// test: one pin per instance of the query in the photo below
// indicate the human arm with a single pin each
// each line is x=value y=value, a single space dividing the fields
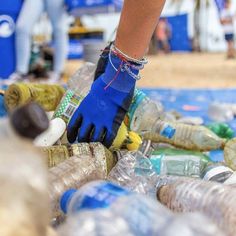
x=101 y=113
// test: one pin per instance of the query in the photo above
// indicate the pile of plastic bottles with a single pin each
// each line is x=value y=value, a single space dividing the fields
x=156 y=179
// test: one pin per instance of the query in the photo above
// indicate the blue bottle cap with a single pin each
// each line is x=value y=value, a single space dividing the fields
x=168 y=132
x=65 y=199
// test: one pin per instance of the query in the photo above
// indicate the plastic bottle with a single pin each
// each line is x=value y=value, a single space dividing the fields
x=215 y=200
x=197 y=138
x=96 y=205
x=231 y=181
x=148 y=147
x=46 y=95
x=78 y=87
x=24 y=199
x=143 y=112
x=230 y=153
x=56 y=154
x=140 y=178
x=56 y=129
x=220 y=112
x=179 y=162
x=217 y=172
x=91 y=162
x=223 y=130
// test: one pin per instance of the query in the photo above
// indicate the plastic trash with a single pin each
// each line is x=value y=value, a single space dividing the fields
x=215 y=200
x=78 y=87
x=143 y=112
x=48 y=96
x=56 y=129
x=179 y=162
x=24 y=200
x=90 y=162
x=230 y=153
x=217 y=172
x=220 y=112
x=191 y=120
x=93 y=207
x=222 y=130
x=191 y=137
x=231 y=181
x=135 y=172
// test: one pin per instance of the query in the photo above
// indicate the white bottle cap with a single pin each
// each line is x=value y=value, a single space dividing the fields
x=218 y=170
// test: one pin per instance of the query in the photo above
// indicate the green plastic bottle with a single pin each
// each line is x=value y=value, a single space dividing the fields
x=222 y=130
x=179 y=162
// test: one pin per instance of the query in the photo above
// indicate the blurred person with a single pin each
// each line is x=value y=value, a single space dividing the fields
x=227 y=21
x=29 y=15
x=117 y=72
x=163 y=35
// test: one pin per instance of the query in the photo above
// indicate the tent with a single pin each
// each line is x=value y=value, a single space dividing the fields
x=89 y=7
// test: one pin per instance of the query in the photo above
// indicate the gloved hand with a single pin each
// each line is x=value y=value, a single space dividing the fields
x=102 y=111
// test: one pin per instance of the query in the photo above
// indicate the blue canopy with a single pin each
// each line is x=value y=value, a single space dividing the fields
x=82 y=7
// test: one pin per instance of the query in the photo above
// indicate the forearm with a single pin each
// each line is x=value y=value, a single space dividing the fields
x=138 y=21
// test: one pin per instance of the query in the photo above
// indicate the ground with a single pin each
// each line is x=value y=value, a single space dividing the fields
x=193 y=70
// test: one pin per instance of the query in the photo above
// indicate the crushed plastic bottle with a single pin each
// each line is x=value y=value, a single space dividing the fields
x=24 y=199
x=215 y=200
x=46 y=95
x=56 y=154
x=230 y=153
x=190 y=137
x=78 y=87
x=143 y=112
x=135 y=172
x=217 y=172
x=93 y=207
x=179 y=162
x=90 y=162
x=220 y=112
x=148 y=147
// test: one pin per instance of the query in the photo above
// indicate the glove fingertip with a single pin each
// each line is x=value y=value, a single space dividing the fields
x=108 y=140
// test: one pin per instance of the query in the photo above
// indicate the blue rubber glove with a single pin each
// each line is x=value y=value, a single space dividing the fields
x=102 y=111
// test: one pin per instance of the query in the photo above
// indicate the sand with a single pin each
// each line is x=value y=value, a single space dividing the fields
x=193 y=70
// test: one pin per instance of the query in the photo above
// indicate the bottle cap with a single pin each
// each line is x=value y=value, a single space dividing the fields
x=217 y=173
x=29 y=120
x=65 y=199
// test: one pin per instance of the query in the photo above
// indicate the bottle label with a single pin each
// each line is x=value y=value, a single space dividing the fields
x=168 y=131
x=101 y=196
x=67 y=106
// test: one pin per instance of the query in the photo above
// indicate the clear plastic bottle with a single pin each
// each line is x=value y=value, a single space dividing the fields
x=71 y=173
x=78 y=87
x=220 y=112
x=24 y=199
x=215 y=200
x=90 y=162
x=217 y=172
x=191 y=137
x=135 y=172
x=179 y=162
x=230 y=153
x=143 y=112
x=102 y=208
